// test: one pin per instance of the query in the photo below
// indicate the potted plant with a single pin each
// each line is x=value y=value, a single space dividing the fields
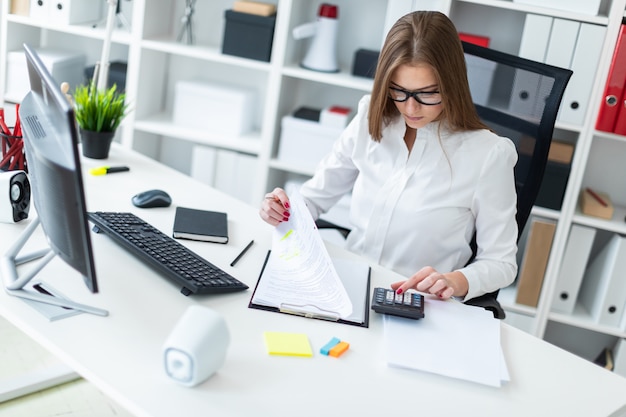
x=98 y=114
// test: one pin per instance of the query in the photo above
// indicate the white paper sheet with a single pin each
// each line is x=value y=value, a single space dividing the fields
x=453 y=339
x=302 y=275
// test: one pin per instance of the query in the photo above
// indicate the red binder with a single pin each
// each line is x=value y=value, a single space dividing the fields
x=620 y=122
x=613 y=91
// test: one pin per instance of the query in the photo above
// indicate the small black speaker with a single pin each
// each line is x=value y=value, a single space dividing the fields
x=15 y=204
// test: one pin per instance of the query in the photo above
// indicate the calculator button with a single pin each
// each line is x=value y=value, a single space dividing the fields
x=399 y=298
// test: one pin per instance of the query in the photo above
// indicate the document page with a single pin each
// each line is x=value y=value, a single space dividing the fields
x=299 y=276
x=454 y=340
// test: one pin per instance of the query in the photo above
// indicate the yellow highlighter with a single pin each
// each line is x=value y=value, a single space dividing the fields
x=107 y=170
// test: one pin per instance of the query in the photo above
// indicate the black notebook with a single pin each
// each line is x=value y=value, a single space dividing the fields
x=205 y=225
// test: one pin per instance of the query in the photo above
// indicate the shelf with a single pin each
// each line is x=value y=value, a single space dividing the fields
x=341 y=79
x=161 y=124
x=545 y=213
x=84 y=30
x=617 y=224
x=529 y=8
x=287 y=167
x=507 y=296
x=581 y=318
x=212 y=54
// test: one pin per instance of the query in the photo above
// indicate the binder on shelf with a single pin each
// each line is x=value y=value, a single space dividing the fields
x=573 y=265
x=620 y=120
x=535 y=261
x=614 y=88
x=355 y=277
x=559 y=53
x=584 y=64
x=603 y=292
x=534 y=43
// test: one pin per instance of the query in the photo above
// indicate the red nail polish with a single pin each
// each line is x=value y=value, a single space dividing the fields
x=287 y=204
x=399 y=291
x=286 y=213
x=285 y=219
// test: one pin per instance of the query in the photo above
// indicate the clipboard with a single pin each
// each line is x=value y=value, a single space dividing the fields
x=363 y=303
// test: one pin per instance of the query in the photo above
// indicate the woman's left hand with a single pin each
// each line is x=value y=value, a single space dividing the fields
x=427 y=280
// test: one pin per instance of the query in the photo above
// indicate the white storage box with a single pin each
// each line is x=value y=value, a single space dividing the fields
x=68 y=12
x=591 y=7
x=305 y=142
x=213 y=107
x=65 y=66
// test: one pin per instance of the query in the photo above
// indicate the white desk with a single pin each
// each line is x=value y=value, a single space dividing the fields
x=121 y=354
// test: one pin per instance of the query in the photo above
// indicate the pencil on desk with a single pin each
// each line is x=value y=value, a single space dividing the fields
x=242 y=253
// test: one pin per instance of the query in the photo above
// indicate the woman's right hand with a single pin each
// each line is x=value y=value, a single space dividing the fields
x=275 y=207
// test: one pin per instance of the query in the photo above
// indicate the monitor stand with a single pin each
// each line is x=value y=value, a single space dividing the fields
x=15 y=284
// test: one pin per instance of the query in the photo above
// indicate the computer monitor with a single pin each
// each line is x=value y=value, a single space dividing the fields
x=51 y=144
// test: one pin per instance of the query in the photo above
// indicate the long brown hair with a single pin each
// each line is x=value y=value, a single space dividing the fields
x=424 y=37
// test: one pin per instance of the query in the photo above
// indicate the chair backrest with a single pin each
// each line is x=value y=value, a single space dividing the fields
x=519 y=99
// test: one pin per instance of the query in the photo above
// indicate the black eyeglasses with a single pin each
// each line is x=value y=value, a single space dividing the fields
x=427 y=98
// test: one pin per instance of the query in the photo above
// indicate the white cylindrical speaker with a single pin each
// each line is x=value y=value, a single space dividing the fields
x=197 y=346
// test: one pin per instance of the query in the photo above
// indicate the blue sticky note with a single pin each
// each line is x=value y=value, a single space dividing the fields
x=328 y=346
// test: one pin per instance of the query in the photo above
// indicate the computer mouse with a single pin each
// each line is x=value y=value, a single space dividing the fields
x=152 y=198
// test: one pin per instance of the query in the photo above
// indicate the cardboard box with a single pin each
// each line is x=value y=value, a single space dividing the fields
x=561 y=152
x=255 y=7
x=20 y=7
x=63 y=65
x=248 y=35
x=535 y=261
x=305 y=142
x=596 y=204
x=213 y=107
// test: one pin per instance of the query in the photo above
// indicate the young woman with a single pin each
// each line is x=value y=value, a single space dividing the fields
x=425 y=173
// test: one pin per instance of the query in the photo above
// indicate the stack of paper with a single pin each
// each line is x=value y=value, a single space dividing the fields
x=453 y=339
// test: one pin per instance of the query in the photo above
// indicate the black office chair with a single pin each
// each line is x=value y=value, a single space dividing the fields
x=518 y=99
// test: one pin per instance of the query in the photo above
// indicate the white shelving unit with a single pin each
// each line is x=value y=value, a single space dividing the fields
x=156 y=61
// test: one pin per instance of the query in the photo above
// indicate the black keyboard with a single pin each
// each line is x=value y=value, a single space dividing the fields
x=165 y=254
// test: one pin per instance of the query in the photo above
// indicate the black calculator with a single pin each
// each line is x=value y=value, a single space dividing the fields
x=409 y=304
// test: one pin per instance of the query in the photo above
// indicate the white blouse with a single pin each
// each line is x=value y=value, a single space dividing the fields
x=411 y=210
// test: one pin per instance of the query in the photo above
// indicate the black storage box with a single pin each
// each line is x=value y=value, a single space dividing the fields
x=117 y=75
x=248 y=35
x=553 y=185
x=365 y=62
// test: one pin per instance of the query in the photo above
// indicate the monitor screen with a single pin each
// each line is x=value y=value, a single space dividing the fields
x=51 y=146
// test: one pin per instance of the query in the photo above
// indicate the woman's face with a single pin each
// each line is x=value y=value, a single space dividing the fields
x=418 y=79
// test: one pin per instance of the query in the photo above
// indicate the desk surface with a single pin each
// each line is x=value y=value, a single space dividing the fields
x=121 y=354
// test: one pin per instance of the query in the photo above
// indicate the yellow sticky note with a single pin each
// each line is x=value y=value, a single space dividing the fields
x=287 y=344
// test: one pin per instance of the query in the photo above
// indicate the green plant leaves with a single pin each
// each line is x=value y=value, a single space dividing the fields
x=99 y=111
